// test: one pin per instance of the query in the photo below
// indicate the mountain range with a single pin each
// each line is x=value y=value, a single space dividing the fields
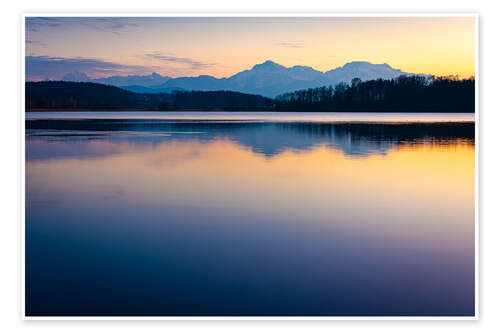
x=119 y=81
x=267 y=79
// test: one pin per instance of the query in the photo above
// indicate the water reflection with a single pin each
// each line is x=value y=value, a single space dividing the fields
x=353 y=139
x=238 y=218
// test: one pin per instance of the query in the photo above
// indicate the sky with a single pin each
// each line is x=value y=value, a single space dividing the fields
x=223 y=46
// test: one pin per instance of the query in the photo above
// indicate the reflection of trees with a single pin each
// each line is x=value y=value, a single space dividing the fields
x=367 y=139
x=392 y=132
x=271 y=138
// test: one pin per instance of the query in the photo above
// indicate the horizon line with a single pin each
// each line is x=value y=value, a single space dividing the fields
x=225 y=77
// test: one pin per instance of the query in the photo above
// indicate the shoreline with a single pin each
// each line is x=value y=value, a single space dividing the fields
x=325 y=117
x=234 y=111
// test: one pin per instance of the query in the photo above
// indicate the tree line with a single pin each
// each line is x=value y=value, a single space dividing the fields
x=62 y=95
x=402 y=94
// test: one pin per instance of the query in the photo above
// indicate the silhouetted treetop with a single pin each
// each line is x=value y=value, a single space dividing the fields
x=94 y=96
x=403 y=94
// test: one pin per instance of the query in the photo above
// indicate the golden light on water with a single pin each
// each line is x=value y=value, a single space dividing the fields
x=414 y=185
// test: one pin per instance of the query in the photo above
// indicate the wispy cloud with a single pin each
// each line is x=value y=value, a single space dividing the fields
x=175 y=60
x=294 y=45
x=113 y=25
x=36 y=42
x=116 y=25
x=41 y=67
x=37 y=23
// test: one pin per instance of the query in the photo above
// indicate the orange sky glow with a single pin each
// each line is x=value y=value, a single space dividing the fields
x=223 y=46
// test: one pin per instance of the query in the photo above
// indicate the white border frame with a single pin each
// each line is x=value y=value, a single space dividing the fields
x=246 y=14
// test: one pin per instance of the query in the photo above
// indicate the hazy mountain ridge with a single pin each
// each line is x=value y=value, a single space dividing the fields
x=365 y=71
x=267 y=79
x=148 y=90
x=119 y=81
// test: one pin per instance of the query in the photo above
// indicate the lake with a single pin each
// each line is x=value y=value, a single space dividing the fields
x=249 y=214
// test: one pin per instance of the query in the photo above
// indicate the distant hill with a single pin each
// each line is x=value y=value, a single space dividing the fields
x=365 y=71
x=267 y=79
x=402 y=94
x=119 y=81
x=75 y=95
x=148 y=90
x=271 y=79
x=62 y=95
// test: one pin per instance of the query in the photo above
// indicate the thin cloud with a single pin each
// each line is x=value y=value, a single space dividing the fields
x=37 y=23
x=113 y=25
x=172 y=59
x=37 y=42
x=110 y=24
x=294 y=45
x=41 y=67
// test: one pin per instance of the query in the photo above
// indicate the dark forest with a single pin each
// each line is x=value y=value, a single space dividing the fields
x=403 y=94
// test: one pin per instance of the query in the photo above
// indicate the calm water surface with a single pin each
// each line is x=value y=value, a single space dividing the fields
x=182 y=214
